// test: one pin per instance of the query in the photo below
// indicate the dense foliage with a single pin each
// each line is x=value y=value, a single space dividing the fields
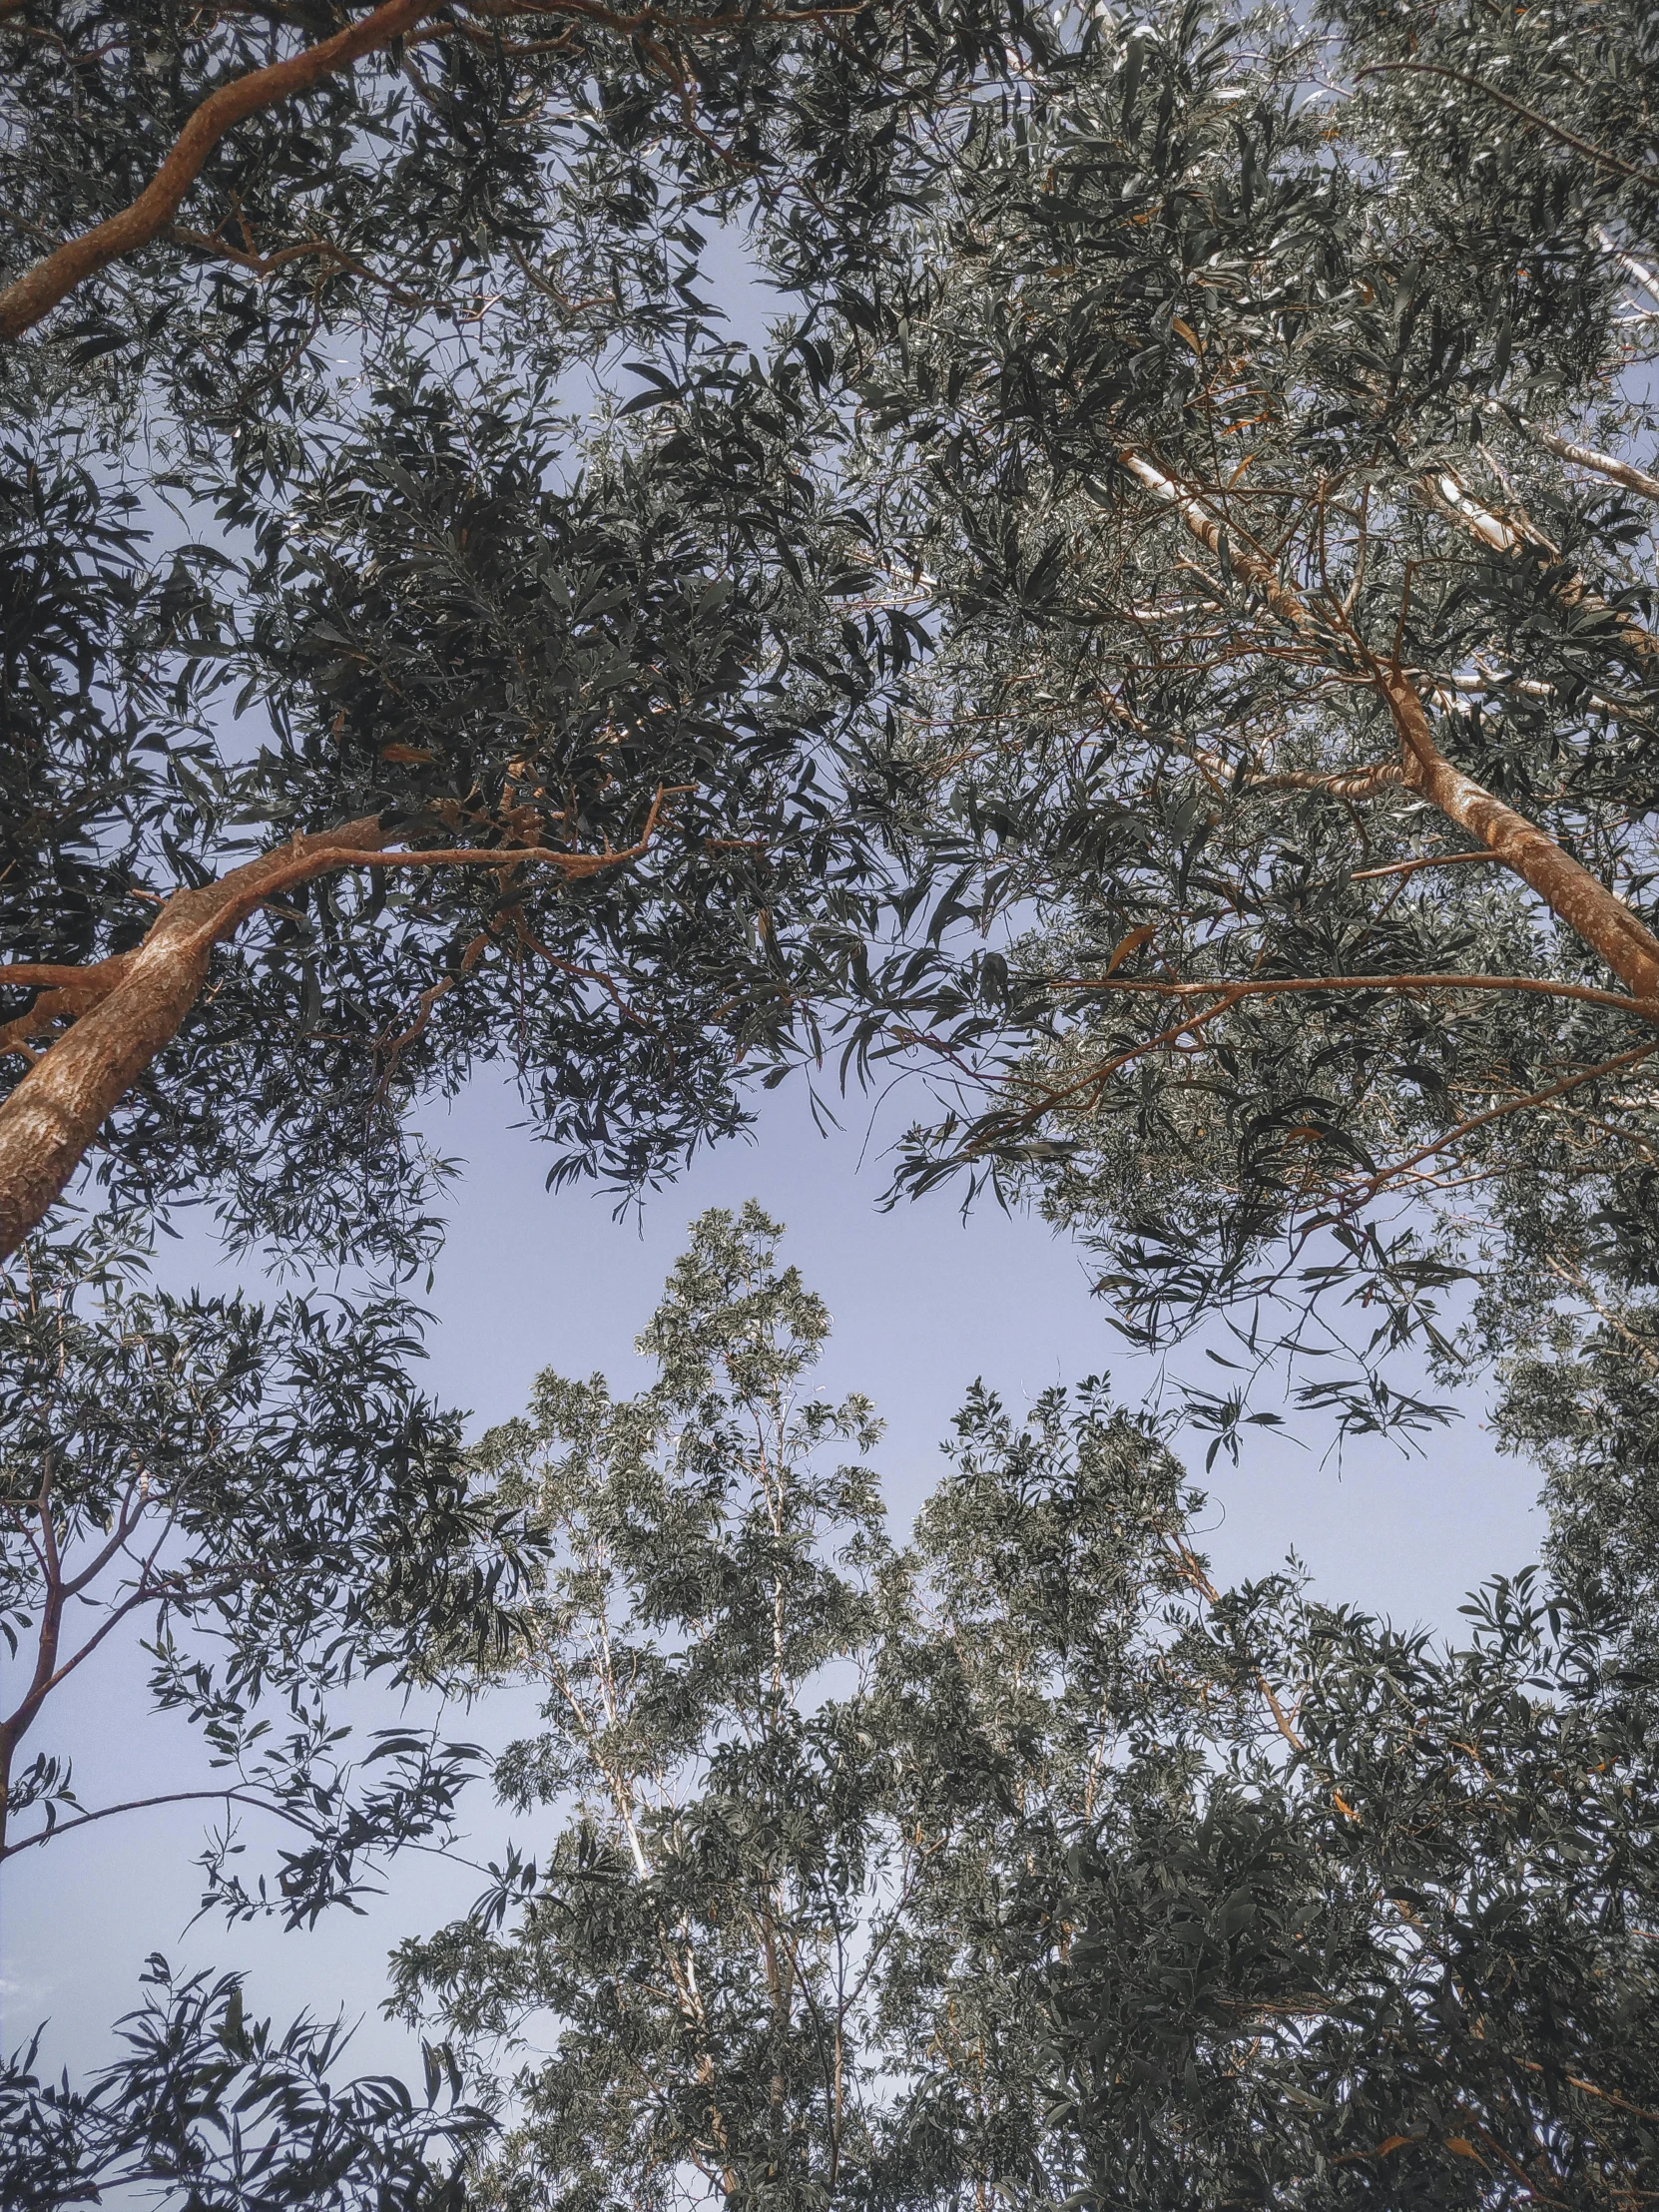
x=1022 y=1861
x=1157 y=637
x=1261 y=433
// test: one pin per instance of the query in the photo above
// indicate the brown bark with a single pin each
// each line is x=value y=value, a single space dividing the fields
x=1581 y=899
x=40 y=289
x=1597 y=914
x=1506 y=534
x=141 y=999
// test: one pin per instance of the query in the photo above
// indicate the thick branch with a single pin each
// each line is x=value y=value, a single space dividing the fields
x=1624 y=473
x=1579 y=899
x=59 y=1107
x=39 y=289
x=1568 y=889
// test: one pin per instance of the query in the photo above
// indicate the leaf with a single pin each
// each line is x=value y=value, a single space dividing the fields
x=1127 y=946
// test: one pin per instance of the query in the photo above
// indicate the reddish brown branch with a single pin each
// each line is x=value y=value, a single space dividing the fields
x=1096 y=1077
x=1585 y=903
x=40 y=289
x=56 y=1110
x=1372 y=1184
x=1410 y=868
x=1567 y=887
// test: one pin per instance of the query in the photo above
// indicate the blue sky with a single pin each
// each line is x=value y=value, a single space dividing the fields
x=922 y=1304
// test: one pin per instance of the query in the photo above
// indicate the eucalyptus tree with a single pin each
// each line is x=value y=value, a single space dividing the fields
x=551 y=707
x=1263 y=432
x=545 y=704
x=1025 y=1863
x=704 y=1913
x=539 y=784
x=252 y=1510
x=1265 y=1902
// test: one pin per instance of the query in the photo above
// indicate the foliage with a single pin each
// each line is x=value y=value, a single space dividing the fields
x=1025 y=1860
x=207 y=2107
x=467 y=611
x=1260 y=429
x=1160 y=636
x=707 y=1921
x=264 y=1491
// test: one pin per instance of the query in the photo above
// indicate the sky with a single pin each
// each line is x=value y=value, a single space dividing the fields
x=923 y=1303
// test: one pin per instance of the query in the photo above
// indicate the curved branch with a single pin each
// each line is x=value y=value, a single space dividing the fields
x=37 y=291
x=1556 y=131
x=59 y=1107
x=228 y=1795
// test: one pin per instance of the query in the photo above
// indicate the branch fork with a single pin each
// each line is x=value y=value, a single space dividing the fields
x=127 y=1008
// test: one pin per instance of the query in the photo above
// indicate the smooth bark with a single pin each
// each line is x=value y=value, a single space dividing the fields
x=136 y=1003
x=1600 y=918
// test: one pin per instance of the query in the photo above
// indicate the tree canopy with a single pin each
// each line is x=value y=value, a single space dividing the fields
x=1023 y=1860
x=1143 y=628
x=1262 y=429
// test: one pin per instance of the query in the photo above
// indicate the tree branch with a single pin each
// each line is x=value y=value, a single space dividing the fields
x=51 y=279
x=1583 y=902
x=56 y=1110
x=1264 y=986
x=1580 y=899
x=1372 y=1184
x=1556 y=131
x=229 y=1794
x=37 y=291
x=1624 y=473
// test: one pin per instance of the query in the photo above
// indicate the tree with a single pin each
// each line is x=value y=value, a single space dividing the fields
x=439 y=637
x=1261 y=433
x=1027 y=1862
x=261 y=1492
x=547 y=709
x=565 y=706
x=707 y=1923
